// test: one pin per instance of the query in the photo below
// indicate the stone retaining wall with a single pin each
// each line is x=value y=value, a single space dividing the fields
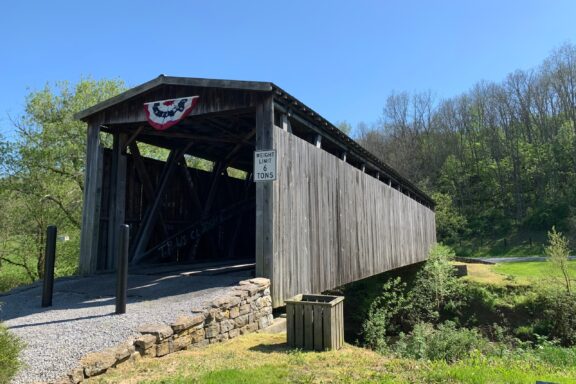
x=247 y=309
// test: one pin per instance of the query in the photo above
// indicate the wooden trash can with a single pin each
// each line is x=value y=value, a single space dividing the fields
x=315 y=322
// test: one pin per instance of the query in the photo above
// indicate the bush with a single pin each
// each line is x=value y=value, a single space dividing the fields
x=384 y=315
x=10 y=347
x=556 y=316
x=436 y=286
x=446 y=342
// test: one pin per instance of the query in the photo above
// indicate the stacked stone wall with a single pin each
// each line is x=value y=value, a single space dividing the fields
x=247 y=309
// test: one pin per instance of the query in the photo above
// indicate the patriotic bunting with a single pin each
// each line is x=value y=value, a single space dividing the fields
x=164 y=114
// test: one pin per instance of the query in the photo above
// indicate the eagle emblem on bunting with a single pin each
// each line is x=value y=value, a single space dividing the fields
x=164 y=114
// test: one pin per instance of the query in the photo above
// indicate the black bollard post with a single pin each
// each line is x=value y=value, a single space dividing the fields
x=49 y=260
x=122 y=269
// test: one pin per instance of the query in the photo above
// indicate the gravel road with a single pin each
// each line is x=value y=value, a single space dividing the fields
x=82 y=318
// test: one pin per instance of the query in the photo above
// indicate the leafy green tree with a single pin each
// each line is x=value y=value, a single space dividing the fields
x=44 y=180
x=450 y=224
x=435 y=287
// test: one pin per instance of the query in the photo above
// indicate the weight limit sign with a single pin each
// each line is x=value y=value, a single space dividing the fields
x=265 y=165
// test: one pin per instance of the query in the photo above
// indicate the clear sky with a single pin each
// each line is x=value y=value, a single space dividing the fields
x=342 y=58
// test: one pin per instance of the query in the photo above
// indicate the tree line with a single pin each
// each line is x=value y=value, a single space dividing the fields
x=499 y=159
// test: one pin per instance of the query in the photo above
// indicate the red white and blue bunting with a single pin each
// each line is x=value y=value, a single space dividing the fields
x=164 y=114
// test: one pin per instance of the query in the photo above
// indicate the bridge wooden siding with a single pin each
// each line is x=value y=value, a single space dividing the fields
x=334 y=224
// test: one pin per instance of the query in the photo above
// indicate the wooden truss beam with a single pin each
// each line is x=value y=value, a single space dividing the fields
x=146 y=182
x=143 y=236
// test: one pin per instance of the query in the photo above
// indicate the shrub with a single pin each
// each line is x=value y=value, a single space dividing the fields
x=10 y=347
x=436 y=286
x=557 y=316
x=383 y=315
x=446 y=342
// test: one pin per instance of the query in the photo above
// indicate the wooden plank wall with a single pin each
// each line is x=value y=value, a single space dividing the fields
x=335 y=224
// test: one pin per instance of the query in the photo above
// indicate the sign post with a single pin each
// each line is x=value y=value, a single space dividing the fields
x=265 y=165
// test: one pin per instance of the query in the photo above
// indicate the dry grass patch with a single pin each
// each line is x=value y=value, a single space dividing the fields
x=265 y=358
x=486 y=274
x=262 y=358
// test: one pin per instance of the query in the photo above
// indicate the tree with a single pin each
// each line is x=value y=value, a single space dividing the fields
x=435 y=286
x=558 y=252
x=344 y=126
x=43 y=181
x=450 y=224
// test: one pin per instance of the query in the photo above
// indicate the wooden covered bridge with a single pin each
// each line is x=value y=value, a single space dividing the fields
x=325 y=214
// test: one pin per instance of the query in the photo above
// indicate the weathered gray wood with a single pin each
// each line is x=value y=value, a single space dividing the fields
x=290 y=325
x=299 y=326
x=318 y=341
x=149 y=221
x=117 y=202
x=90 y=211
x=265 y=134
x=335 y=224
x=171 y=80
x=145 y=178
x=211 y=100
x=328 y=323
x=318 y=141
x=286 y=123
x=308 y=326
x=233 y=239
x=132 y=138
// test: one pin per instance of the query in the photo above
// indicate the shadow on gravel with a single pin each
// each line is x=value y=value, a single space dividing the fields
x=60 y=321
x=100 y=290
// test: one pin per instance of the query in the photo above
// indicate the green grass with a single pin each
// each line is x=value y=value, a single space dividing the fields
x=265 y=358
x=12 y=276
x=481 y=370
x=534 y=271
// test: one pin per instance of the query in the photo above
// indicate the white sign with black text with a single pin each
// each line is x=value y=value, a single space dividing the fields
x=265 y=165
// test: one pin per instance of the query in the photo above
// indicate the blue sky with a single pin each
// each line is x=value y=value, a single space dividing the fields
x=342 y=58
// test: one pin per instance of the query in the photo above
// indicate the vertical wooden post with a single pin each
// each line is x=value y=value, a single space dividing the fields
x=286 y=123
x=264 y=192
x=90 y=211
x=122 y=268
x=49 y=262
x=117 y=203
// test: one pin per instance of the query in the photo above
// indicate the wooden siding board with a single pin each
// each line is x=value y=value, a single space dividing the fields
x=336 y=224
x=265 y=192
x=90 y=212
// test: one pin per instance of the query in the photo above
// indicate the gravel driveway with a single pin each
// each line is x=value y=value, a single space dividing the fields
x=82 y=318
